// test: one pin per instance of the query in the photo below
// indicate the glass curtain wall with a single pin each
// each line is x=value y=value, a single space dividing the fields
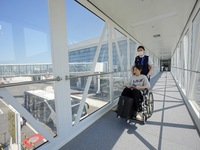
x=186 y=68
x=196 y=60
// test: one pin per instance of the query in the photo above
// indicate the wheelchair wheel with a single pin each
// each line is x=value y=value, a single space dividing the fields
x=151 y=104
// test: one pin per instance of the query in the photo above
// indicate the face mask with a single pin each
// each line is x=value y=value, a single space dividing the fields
x=141 y=53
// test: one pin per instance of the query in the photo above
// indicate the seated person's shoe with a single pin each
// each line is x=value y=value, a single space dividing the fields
x=139 y=117
x=134 y=114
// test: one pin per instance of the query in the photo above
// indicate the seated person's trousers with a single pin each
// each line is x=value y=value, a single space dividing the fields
x=136 y=95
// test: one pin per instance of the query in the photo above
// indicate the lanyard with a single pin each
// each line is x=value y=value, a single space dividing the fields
x=142 y=61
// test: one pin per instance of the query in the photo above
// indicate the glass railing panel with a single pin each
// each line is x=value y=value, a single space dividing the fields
x=192 y=88
x=38 y=99
x=119 y=80
x=196 y=91
x=98 y=94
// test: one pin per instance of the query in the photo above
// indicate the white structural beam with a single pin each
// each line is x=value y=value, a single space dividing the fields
x=57 y=17
x=110 y=58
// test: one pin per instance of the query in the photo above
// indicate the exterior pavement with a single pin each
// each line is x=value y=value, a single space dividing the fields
x=169 y=128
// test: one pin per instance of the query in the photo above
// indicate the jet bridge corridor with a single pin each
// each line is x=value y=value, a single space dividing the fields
x=64 y=64
x=170 y=127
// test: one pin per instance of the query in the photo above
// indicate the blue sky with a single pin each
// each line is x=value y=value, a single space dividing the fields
x=24 y=29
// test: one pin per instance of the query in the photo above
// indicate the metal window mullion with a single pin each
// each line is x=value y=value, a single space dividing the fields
x=179 y=65
x=90 y=78
x=189 y=60
x=177 y=71
x=128 y=56
x=182 y=58
x=185 y=61
x=175 y=62
x=110 y=56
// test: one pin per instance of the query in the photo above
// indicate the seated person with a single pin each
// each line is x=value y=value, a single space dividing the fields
x=132 y=89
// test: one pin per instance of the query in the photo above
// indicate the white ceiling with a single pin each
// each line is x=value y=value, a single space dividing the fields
x=144 y=18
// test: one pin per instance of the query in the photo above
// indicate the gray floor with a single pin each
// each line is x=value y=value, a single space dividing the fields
x=170 y=127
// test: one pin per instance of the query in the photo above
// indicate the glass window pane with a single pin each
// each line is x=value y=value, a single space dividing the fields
x=87 y=40
x=24 y=39
x=25 y=56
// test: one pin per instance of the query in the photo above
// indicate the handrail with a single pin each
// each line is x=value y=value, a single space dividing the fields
x=29 y=82
x=55 y=79
x=87 y=75
x=25 y=75
x=95 y=74
x=186 y=69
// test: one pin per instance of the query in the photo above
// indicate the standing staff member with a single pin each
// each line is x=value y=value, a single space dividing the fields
x=145 y=61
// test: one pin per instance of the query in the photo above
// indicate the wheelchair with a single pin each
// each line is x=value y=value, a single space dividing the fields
x=146 y=105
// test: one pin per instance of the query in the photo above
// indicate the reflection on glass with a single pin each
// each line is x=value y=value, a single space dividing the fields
x=24 y=41
x=24 y=32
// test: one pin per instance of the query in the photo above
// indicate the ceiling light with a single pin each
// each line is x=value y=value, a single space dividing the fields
x=153 y=19
x=156 y=35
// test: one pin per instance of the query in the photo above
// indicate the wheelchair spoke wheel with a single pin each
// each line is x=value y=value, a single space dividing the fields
x=151 y=103
x=151 y=99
